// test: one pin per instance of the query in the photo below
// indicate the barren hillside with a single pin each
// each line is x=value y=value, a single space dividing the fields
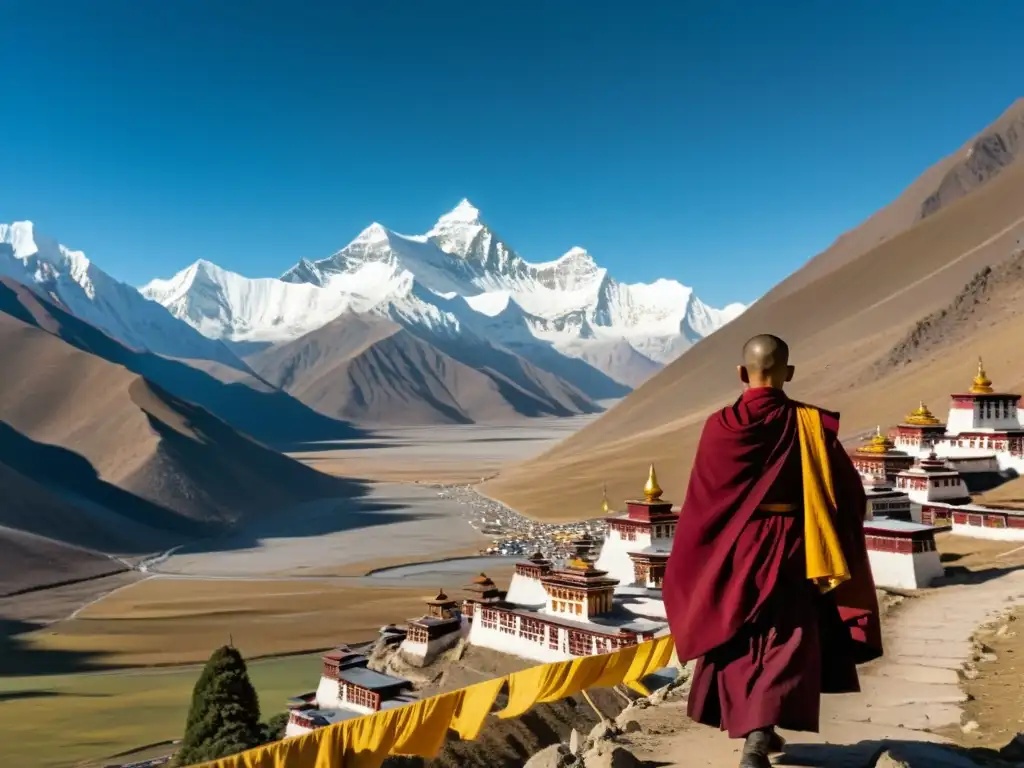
x=973 y=165
x=247 y=403
x=371 y=370
x=97 y=457
x=842 y=325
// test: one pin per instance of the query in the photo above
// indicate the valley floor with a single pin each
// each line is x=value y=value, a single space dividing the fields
x=92 y=669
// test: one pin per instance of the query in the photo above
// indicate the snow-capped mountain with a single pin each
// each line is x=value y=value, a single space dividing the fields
x=457 y=280
x=73 y=281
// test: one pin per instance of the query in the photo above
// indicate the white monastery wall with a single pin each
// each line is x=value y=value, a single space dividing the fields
x=904 y=571
x=424 y=653
x=496 y=640
x=615 y=559
x=985 y=532
x=523 y=590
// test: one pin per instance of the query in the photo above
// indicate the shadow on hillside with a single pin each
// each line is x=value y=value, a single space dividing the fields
x=63 y=471
x=913 y=754
x=315 y=518
x=267 y=414
x=18 y=657
x=221 y=466
x=313 y=446
x=979 y=482
x=958 y=574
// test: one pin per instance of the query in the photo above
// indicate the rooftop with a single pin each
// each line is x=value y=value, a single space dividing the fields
x=324 y=717
x=607 y=623
x=367 y=678
x=896 y=526
x=433 y=621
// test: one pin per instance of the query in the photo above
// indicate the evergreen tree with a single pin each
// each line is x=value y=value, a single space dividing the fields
x=225 y=714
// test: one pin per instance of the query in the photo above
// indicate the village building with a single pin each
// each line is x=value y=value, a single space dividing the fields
x=902 y=554
x=979 y=521
x=526 y=587
x=434 y=632
x=878 y=457
x=983 y=432
x=885 y=501
x=919 y=431
x=580 y=617
x=649 y=525
x=482 y=591
x=348 y=688
x=932 y=479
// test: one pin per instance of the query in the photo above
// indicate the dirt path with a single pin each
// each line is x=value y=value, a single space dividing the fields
x=906 y=696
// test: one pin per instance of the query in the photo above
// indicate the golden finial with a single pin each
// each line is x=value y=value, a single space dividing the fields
x=879 y=443
x=921 y=415
x=652 y=491
x=604 y=500
x=982 y=384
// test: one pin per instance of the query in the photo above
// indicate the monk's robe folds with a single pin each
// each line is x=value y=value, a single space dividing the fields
x=743 y=585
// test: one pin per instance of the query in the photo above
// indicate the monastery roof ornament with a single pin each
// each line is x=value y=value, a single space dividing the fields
x=921 y=415
x=982 y=385
x=879 y=443
x=604 y=500
x=652 y=491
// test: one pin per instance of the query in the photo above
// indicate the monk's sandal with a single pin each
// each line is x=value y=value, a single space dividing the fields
x=756 y=749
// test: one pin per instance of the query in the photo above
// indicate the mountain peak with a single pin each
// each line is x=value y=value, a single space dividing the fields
x=374 y=233
x=20 y=235
x=463 y=213
x=576 y=253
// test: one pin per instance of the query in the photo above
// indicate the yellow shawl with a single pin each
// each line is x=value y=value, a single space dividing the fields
x=826 y=564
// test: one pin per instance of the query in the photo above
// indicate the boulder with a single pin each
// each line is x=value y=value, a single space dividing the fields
x=602 y=731
x=615 y=757
x=886 y=760
x=555 y=756
x=626 y=722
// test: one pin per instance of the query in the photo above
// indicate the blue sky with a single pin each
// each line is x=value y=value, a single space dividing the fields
x=716 y=142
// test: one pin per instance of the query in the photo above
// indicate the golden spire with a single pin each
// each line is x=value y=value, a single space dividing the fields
x=982 y=384
x=604 y=500
x=921 y=415
x=652 y=491
x=879 y=443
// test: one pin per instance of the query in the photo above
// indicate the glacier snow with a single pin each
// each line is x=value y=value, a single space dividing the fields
x=459 y=277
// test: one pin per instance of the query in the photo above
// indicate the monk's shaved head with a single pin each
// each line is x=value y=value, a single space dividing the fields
x=765 y=353
x=766 y=362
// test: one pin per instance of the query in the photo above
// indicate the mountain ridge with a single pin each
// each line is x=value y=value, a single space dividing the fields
x=413 y=278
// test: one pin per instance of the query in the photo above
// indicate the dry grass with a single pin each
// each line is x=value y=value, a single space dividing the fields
x=164 y=621
x=996 y=700
x=977 y=554
x=61 y=720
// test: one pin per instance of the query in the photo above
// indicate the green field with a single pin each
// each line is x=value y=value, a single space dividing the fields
x=64 y=720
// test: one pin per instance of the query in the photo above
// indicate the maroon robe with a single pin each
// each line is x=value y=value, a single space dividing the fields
x=736 y=592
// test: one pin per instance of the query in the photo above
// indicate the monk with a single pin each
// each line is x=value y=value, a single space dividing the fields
x=768 y=585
